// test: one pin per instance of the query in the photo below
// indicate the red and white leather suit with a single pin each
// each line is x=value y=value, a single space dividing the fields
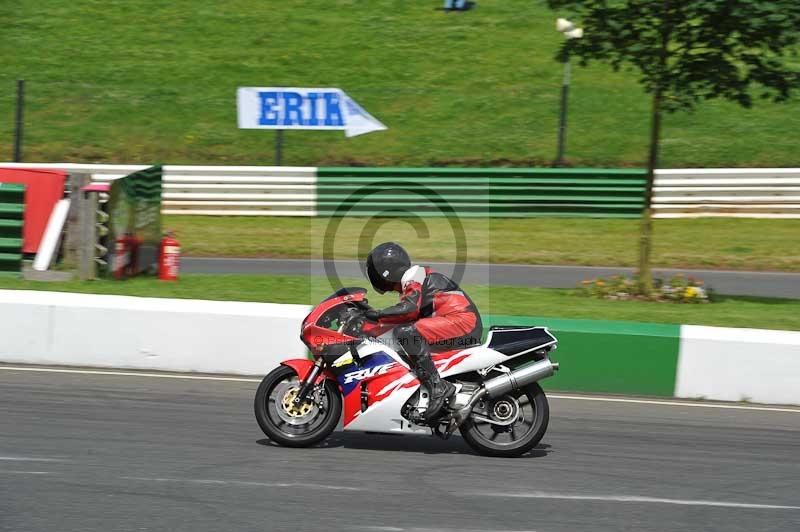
x=441 y=312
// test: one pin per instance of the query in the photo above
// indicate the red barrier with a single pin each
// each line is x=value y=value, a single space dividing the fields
x=43 y=188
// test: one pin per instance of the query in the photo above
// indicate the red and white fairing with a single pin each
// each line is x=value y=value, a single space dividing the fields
x=375 y=388
x=390 y=389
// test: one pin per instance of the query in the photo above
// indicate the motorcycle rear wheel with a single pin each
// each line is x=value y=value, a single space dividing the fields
x=295 y=425
x=522 y=435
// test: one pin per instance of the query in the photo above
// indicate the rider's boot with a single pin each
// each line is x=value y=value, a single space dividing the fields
x=440 y=389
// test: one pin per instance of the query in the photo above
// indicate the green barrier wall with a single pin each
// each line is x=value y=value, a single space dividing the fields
x=609 y=356
x=12 y=210
x=481 y=192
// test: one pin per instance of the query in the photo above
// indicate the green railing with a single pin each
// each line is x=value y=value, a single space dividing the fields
x=481 y=192
x=12 y=209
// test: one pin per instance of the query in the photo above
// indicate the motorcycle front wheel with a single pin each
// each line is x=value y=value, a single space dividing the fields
x=510 y=425
x=296 y=425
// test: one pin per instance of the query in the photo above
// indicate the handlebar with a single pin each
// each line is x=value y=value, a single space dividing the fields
x=353 y=313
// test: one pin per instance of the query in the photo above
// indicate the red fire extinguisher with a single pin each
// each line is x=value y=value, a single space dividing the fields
x=169 y=257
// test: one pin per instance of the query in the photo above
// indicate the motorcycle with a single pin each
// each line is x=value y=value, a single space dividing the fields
x=358 y=374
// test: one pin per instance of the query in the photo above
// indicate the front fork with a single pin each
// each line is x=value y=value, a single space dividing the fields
x=308 y=383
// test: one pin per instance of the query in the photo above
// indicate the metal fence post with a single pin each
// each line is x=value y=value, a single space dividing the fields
x=278 y=147
x=18 y=121
x=562 y=117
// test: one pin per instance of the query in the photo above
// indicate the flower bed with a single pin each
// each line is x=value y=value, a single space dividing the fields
x=677 y=289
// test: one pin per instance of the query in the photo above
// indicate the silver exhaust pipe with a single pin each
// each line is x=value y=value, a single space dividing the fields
x=501 y=385
x=519 y=378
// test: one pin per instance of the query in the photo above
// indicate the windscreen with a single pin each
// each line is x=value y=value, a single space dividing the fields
x=346 y=291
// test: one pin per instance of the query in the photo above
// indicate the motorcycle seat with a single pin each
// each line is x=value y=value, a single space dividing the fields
x=516 y=340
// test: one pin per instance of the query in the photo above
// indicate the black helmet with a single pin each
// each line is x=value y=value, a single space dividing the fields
x=386 y=265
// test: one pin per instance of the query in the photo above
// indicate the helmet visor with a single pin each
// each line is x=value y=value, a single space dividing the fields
x=378 y=283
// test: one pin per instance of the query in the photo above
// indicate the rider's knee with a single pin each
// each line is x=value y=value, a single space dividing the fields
x=409 y=338
x=406 y=331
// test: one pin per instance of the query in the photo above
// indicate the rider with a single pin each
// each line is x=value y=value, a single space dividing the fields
x=433 y=313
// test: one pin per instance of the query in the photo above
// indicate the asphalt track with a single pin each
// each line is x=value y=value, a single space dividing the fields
x=764 y=284
x=129 y=453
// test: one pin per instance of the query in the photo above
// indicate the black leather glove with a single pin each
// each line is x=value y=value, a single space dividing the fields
x=372 y=314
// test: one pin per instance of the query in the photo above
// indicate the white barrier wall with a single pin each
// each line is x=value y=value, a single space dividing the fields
x=739 y=365
x=148 y=333
x=252 y=338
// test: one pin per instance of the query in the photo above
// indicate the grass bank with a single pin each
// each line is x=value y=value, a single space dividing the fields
x=726 y=312
x=741 y=244
x=134 y=82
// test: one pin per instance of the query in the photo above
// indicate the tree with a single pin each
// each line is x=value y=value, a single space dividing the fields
x=688 y=51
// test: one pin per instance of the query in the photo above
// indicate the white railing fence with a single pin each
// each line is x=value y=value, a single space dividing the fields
x=218 y=190
x=291 y=191
x=746 y=192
